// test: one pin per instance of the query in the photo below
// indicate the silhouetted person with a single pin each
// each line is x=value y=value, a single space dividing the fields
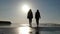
x=37 y=16
x=30 y=16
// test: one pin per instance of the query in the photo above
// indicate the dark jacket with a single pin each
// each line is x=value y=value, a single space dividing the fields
x=37 y=15
x=30 y=14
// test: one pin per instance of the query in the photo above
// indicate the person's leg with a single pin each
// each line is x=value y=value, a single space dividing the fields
x=30 y=21
x=37 y=22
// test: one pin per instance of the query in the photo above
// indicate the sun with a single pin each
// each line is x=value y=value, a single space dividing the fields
x=25 y=8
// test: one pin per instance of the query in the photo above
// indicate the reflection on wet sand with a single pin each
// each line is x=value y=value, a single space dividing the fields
x=24 y=30
x=37 y=30
x=28 y=30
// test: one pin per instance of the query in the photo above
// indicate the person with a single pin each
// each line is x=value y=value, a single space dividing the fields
x=37 y=16
x=30 y=16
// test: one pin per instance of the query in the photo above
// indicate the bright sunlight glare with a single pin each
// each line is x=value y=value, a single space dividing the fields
x=25 y=8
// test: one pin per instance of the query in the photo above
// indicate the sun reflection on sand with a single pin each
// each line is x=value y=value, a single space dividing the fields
x=24 y=30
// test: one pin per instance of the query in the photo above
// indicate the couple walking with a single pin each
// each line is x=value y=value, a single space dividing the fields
x=30 y=16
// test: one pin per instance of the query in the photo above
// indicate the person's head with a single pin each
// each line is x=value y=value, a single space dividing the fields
x=37 y=10
x=30 y=10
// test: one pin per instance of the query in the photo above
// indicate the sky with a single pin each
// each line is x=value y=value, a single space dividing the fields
x=11 y=10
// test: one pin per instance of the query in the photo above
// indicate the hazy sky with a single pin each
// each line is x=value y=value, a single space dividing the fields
x=11 y=10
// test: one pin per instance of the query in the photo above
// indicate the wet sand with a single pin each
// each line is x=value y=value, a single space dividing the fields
x=25 y=29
